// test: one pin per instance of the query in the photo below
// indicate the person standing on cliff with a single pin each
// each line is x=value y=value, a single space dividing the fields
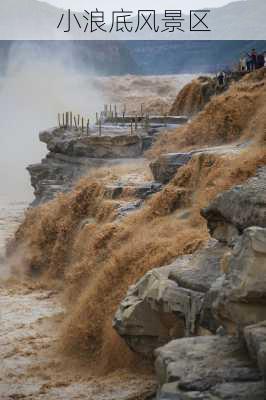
x=221 y=79
x=252 y=60
x=243 y=63
x=260 y=60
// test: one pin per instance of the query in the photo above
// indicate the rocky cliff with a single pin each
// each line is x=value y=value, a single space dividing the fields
x=217 y=291
x=72 y=154
x=170 y=270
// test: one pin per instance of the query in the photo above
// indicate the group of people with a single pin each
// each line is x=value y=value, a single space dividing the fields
x=252 y=61
x=248 y=62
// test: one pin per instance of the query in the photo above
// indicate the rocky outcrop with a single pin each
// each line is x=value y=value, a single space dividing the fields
x=218 y=296
x=211 y=289
x=238 y=208
x=207 y=368
x=141 y=191
x=255 y=336
x=167 y=165
x=167 y=302
x=193 y=97
x=58 y=173
x=241 y=298
x=196 y=94
x=73 y=153
x=74 y=144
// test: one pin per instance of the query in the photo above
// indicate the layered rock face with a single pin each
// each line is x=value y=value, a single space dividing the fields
x=166 y=166
x=220 y=292
x=237 y=209
x=72 y=154
x=207 y=368
x=168 y=302
x=255 y=336
x=92 y=146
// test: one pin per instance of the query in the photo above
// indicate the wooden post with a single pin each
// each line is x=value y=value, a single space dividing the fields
x=124 y=111
x=67 y=120
x=141 y=110
x=82 y=124
x=88 y=127
x=59 y=122
x=147 y=122
x=131 y=128
x=100 y=128
x=136 y=122
x=71 y=120
x=115 y=112
x=75 y=122
x=78 y=120
x=63 y=120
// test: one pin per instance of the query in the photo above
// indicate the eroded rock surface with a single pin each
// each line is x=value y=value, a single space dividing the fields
x=58 y=173
x=207 y=367
x=238 y=208
x=72 y=154
x=167 y=165
x=255 y=336
x=92 y=146
x=241 y=298
x=167 y=302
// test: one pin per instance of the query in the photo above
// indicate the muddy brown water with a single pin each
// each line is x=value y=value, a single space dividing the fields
x=30 y=318
x=30 y=365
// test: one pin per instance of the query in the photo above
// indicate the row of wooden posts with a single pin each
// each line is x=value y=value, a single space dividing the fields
x=68 y=120
x=110 y=112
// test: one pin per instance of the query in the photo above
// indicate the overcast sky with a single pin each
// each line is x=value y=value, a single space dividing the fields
x=159 y=5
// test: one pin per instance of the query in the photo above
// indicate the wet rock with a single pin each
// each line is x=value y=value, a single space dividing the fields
x=237 y=209
x=255 y=336
x=241 y=297
x=246 y=266
x=58 y=173
x=205 y=367
x=226 y=391
x=198 y=271
x=166 y=166
x=167 y=302
x=128 y=207
x=75 y=144
x=239 y=391
x=141 y=191
x=73 y=153
x=114 y=191
x=146 y=189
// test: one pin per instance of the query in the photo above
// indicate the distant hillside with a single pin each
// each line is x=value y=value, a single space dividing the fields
x=170 y=57
x=101 y=57
x=133 y=57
